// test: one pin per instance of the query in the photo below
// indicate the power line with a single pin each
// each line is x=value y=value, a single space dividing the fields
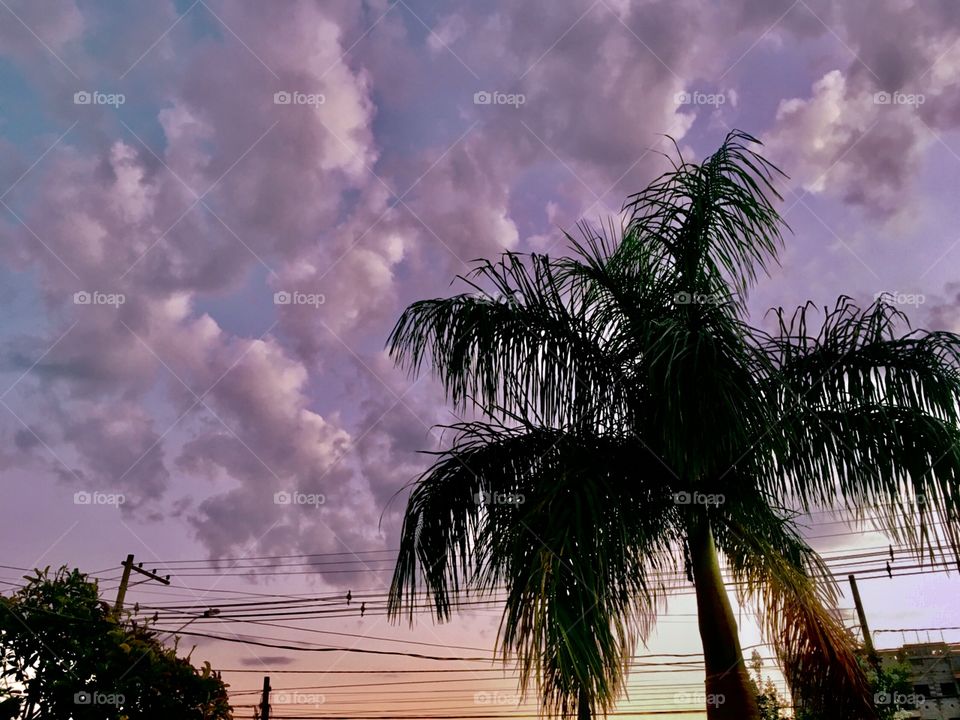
x=879 y=552
x=249 y=640
x=391 y=552
x=926 y=629
x=272 y=570
x=376 y=602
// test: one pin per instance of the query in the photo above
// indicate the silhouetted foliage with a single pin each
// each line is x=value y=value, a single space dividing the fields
x=64 y=655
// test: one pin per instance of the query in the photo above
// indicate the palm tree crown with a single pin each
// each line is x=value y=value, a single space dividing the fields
x=634 y=425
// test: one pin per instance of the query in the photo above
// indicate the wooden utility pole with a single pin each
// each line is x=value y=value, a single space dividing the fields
x=125 y=581
x=265 y=700
x=864 y=628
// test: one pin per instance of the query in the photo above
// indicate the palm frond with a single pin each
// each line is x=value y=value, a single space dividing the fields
x=870 y=420
x=523 y=340
x=713 y=222
x=670 y=341
x=863 y=357
x=705 y=403
x=576 y=544
x=797 y=602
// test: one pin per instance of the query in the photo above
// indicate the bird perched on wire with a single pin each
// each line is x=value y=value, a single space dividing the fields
x=349 y=597
x=363 y=608
x=889 y=571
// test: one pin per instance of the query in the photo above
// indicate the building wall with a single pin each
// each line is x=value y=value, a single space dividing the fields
x=935 y=676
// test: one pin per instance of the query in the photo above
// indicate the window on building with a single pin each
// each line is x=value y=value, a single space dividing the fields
x=948 y=689
x=921 y=690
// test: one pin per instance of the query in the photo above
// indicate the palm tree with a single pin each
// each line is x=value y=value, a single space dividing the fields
x=633 y=425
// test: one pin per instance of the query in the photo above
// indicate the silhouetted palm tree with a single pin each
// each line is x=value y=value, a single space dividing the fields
x=634 y=425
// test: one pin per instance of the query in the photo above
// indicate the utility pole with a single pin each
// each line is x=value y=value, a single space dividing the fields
x=864 y=628
x=122 y=590
x=265 y=700
x=125 y=581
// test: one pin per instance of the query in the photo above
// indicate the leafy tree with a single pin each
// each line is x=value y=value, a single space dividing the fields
x=769 y=701
x=64 y=655
x=631 y=417
x=889 y=683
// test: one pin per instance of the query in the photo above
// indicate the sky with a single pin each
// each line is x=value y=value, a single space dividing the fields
x=213 y=212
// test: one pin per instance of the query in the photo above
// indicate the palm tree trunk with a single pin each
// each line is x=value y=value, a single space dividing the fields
x=730 y=695
x=583 y=705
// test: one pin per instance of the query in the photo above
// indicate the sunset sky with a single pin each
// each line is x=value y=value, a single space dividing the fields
x=213 y=212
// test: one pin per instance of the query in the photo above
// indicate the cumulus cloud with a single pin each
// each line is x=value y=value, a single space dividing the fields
x=57 y=24
x=371 y=190
x=863 y=129
x=942 y=312
x=154 y=223
x=851 y=141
